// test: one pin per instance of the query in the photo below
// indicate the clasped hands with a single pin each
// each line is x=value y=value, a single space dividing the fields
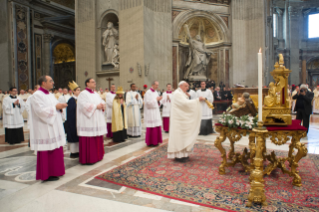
x=201 y=99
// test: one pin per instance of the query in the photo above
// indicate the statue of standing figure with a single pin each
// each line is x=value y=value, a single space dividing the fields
x=110 y=40
x=198 y=57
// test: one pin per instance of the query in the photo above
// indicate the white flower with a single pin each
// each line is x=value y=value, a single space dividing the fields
x=237 y=122
x=230 y=121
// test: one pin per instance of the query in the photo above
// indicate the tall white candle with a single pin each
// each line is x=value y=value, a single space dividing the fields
x=260 y=85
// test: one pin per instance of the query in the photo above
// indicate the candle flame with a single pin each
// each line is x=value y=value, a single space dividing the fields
x=260 y=50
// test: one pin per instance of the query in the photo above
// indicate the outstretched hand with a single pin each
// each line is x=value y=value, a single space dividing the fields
x=61 y=106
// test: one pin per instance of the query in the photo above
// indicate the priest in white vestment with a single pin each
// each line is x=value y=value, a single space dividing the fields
x=13 y=108
x=24 y=96
x=134 y=103
x=166 y=102
x=109 y=104
x=152 y=116
x=1 y=101
x=316 y=100
x=28 y=104
x=47 y=135
x=185 y=120
x=91 y=125
x=207 y=113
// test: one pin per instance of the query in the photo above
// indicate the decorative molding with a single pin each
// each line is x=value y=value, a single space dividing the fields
x=278 y=11
x=127 y=4
x=47 y=38
x=22 y=48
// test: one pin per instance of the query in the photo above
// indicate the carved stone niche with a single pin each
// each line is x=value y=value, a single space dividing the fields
x=110 y=53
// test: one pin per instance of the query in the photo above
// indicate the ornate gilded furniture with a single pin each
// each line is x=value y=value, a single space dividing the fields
x=257 y=154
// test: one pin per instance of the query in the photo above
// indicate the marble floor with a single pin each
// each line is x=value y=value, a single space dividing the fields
x=78 y=190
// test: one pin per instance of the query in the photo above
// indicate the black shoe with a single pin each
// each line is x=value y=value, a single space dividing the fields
x=74 y=155
x=52 y=178
x=181 y=160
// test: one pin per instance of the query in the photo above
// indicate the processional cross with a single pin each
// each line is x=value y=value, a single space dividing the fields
x=109 y=79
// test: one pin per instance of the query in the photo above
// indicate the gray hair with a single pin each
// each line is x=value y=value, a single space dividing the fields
x=304 y=86
x=181 y=83
x=153 y=83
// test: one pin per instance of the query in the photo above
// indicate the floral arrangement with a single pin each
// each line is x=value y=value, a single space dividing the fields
x=244 y=122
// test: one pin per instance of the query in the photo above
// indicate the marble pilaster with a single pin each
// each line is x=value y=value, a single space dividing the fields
x=47 y=54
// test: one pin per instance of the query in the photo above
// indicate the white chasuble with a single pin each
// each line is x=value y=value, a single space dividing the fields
x=152 y=116
x=109 y=104
x=12 y=114
x=185 y=123
x=45 y=122
x=207 y=113
x=166 y=102
x=133 y=109
x=64 y=99
x=90 y=121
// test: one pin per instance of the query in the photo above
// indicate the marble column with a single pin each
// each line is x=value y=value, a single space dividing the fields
x=294 y=27
x=304 y=71
x=280 y=33
x=47 y=54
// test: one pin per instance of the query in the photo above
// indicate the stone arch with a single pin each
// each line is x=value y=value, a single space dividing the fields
x=106 y=14
x=218 y=22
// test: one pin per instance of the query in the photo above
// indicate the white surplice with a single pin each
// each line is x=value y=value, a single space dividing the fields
x=152 y=116
x=133 y=111
x=316 y=101
x=24 y=97
x=64 y=99
x=166 y=104
x=45 y=122
x=12 y=115
x=109 y=105
x=185 y=123
x=192 y=94
x=90 y=121
x=207 y=113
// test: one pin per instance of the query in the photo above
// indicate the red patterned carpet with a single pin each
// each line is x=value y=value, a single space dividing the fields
x=198 y=181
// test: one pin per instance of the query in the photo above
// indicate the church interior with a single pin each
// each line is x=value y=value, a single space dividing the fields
x=254 y=57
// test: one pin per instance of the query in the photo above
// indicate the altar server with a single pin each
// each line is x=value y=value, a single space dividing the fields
x=64 y=98
x=90 y=124
x=134 y=104
x=119 y=118
x=152 y=116
x=13 y=108
x=109 y=104
x=72 y=135
x=206 y=127
x=47 y=135
x=186 y=113
x=293 y=105
x=24 y=96
x=192 y=94
x=166 y=102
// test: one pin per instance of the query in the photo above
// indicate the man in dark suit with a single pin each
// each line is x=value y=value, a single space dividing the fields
x=303 y=105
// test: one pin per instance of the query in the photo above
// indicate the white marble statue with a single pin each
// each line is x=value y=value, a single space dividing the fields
x=110 y=40
x=198 y=57
x=116 y=56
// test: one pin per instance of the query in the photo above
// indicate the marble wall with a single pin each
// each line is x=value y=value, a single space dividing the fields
x=248 y=35
x=5 y=56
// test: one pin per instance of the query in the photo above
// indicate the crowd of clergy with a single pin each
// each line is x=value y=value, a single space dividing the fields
x=82 y=118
